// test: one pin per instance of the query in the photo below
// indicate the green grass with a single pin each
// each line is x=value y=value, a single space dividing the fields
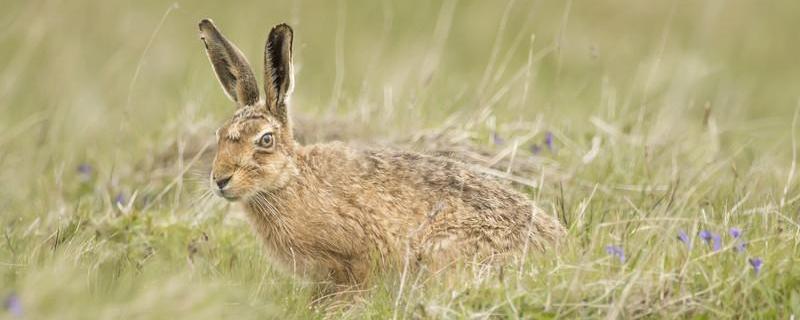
x=692 y=107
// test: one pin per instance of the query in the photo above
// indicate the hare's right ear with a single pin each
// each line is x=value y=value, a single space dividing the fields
x=232 y=69
x=278 y=73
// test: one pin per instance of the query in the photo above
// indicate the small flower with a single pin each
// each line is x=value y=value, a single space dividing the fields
x=84 y=168
x=535 y=149
x=548 y=140
x=616 y=251
x=84 y=171
x=735 y=232
x=497 y=139
x=717 y=242
x=119 y=199
x=756 y=263
x=683 y=237
x=711 y=238
x=14 y=305
x=705 y=235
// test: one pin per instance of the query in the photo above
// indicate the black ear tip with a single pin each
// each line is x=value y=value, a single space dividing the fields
x=282 y=29
x=206 y=23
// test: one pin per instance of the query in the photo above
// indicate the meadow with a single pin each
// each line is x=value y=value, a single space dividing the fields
x=663 y=134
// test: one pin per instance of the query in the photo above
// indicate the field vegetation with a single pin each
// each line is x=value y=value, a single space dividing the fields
x=663 y=134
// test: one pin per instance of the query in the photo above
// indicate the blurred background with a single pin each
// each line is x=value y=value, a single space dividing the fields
x=109 y=108
x=109 y=80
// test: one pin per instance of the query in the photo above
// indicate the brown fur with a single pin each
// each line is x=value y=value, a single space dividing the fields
x=330 y=212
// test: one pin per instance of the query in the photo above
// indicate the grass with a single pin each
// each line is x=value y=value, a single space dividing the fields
x=664 y=116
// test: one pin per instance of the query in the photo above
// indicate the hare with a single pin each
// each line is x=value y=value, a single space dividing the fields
x=332 y=213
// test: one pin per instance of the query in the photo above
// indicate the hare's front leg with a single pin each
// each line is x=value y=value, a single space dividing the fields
x=344 y=281
x=351 y=275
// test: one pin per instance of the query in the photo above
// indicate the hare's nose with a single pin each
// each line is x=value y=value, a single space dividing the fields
x=222 y=182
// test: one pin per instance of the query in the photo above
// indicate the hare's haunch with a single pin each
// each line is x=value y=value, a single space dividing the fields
x=331 y=212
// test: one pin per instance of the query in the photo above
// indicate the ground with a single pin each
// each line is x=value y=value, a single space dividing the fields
x=664 y=135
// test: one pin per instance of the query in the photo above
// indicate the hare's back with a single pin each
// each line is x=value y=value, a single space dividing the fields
x=440 y=179
x=411 y=179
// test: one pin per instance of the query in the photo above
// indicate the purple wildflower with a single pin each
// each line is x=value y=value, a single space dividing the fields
x=711 y=238
x=535 y=149
x=84 y=171
x=735 y=232
x=14 y=305
x=756 y=263
x=84 y=168
x=119 y=199
x=548 y=140
x=705 y=235
x=497 y=139
x=616 y=251
x=717 y=242
x=683 y=237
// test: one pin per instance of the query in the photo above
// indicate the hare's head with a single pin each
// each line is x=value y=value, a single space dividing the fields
x=255 y=147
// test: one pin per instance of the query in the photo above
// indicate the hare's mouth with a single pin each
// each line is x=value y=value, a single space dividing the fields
x=227 y=194
x=231 y=198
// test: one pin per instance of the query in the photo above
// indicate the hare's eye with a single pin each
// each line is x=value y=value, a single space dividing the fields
x=266 y=140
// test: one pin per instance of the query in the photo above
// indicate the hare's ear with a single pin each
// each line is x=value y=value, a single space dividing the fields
x=278 y=73
x=230 y=65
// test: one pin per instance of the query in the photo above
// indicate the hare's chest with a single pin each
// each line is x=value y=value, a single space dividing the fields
x=287 y=248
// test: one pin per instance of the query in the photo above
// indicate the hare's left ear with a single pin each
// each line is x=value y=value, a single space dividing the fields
x=278 y=73
x=230 y=65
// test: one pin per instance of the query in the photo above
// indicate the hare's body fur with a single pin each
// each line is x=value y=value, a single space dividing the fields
x=332 y=212
x=344 y=208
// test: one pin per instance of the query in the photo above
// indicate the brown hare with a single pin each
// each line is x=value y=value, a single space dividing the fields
x=330 y=212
